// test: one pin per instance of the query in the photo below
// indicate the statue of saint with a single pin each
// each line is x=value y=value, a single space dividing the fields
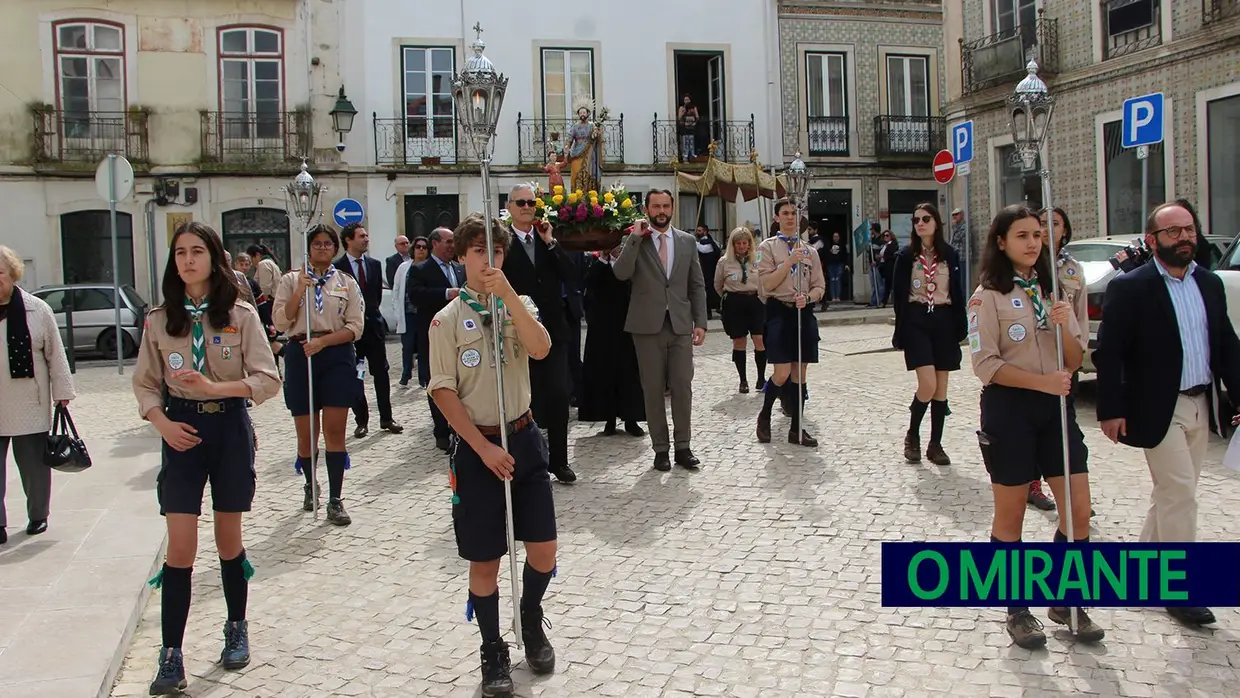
x=584 y=155
x=554 y=178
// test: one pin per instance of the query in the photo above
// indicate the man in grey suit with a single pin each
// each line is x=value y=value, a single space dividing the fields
x=667 y=318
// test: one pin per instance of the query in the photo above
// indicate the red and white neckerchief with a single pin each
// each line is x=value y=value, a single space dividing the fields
x=930 y=270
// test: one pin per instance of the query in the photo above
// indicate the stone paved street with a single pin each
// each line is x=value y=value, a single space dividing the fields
x=758 y=575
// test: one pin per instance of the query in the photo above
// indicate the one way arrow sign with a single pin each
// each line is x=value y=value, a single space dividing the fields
x=348 y=211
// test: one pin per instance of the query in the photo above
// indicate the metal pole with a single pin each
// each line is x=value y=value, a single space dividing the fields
x=968 y=234
x=800 y=367
x=1063 y=400
x=314 y=415
x=1145 y=182
x=497 y=327
x=116 y=268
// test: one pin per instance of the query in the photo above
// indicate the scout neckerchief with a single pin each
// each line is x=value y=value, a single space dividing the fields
x=198 y=347
x=319 y=283
x=1035 y=296
x=744 y=268
x=791 y=241
x=929 y=269
x=477 y=307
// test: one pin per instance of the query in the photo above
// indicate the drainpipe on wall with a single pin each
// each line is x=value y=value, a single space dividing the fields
x=774 y=102
x=149 y=210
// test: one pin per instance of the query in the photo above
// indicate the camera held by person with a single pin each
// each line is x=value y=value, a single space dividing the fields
x=1132 y=256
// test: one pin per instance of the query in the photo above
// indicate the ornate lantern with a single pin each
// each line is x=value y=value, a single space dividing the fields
x=301 y=197
x=478 y=92
x=798 y=181
x=1029 y=110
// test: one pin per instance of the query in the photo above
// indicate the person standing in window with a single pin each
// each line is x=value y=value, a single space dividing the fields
x=34 y=374
x=686 y=127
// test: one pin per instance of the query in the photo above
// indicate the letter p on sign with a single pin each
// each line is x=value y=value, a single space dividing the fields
x=1143 y=120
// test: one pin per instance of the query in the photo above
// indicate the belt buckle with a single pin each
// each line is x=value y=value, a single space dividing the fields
x=210 y=407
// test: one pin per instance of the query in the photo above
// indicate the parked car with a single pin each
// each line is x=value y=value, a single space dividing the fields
x=94 y=317
x=1095 y=254
x=1228 y=269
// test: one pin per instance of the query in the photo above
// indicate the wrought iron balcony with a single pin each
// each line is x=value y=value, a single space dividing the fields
x=536 y=138
x=268 y=137
x=1218 y=10
x=734 y=141
x=1129 y=26
x=1001 y=58
x=828 y=135
x=418 y=141
x=912 y=138
x=88 y=136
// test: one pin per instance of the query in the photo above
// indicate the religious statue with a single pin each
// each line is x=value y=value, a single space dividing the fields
x=585 y=140
x=554 y=178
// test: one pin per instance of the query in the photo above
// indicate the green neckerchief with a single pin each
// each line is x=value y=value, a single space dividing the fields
x=198 y=348
x=1035 y=296
x=477 y=307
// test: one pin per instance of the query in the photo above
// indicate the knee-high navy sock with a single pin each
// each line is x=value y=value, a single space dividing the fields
x=534 y=587
x=793 y=395
x=938 y=415
x=1010 y=609
x=303 y=466
x=1061 y=537
x=336 y=463
x=174 y=603
x=236 y=574
x=486 y=608
x=773 y=392
x=738 y=358
x=917 y=410
x=759 y=358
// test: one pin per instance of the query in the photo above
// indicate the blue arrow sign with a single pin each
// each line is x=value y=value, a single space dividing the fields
x=1143 y=120
x=348 y=211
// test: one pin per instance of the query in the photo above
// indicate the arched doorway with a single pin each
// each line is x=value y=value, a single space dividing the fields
x=86 y=247
x=257 y=226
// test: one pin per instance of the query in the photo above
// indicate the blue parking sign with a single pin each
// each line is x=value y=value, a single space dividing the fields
x=1143 y=120
x=962 y=142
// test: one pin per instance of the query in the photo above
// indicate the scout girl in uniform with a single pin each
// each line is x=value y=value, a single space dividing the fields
x=336 y=319
x=211 y=354
x=736 y=282
x=929 y=301
x=780 y=260
x=463 y=386
x=1011 y=323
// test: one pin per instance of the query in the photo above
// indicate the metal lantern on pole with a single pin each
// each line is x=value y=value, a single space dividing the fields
x=798 y=193
x=302 y=202
x=1029 y=108
x=478 y=93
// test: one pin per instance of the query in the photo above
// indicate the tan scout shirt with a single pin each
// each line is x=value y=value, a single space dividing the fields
x=1072 y=286
x=728 y=277
x=267 y=274
x=343 y=307
x=919 y=283
x=238 y=352
x=463 y=360
x=772 y=252
x=244 y=292
x=1003 y=330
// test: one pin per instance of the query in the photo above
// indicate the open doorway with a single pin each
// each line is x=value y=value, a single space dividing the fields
x=830 y=210
x=699 y=74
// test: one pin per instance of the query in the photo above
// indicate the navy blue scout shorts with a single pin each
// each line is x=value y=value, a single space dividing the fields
x=335 y=378
x=781 y=333
x=1025 y=440
x=478 y=515
x=225 y=458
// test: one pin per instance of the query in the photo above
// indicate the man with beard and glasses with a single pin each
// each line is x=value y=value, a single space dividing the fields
x=1164 y=341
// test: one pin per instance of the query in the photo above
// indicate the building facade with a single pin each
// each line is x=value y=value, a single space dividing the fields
x=1094 y=55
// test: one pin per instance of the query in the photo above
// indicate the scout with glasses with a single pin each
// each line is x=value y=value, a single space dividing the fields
x=336 y=323
x=929 y=302
x=203 y=354
x=1012 y=318
x=463 y=384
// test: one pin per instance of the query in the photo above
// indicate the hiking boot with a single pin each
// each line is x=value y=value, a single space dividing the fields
x=236 y=654
x=336 y=513
x=539 y=654
x=935 y=454
x=806 y=439
x=496 y=669
x=170 y=679
x=310 y=497
x=1026 y=631
x=1038 y=498
x=1086 y=629
x=744 y=387
x=912 y=446
x=764 y=429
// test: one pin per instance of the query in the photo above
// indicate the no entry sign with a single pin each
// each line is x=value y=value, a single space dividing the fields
x=944 y=167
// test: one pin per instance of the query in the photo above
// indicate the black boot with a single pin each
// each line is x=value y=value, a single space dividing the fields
x=236 y=654
x=336 y=513
x=310 y=496
x=738 y=358
x=539 y=654
x=496 y=669
x=170 y=679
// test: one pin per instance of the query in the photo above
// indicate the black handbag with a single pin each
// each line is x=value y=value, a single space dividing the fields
x=65 y=451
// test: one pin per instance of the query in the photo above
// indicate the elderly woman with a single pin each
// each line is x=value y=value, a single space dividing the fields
x=34 y=373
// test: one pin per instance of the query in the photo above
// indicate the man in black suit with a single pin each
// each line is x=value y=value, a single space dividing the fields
x=536 y=266
x=432 y=283
x=1164 y=342
x=371 y=347
x=574 y=309
x=393 y=263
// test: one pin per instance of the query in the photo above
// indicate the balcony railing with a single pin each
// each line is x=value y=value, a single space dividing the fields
x=734 y=141
x=414 y=141
x=536 y=138
x=88 y=136
x=1218 y=10
x=1129 y=26
x=828 y=135
x=909 y=137
x=1001 y=58
x=239 y=137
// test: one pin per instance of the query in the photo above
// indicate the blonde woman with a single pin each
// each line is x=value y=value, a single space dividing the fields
x=736 y=282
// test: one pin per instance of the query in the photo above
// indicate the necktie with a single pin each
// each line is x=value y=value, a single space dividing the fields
x=1031 y=289
x=361 y=273
x=198 y=347
x=485 y=312
x=663 y=250
x=447 y=272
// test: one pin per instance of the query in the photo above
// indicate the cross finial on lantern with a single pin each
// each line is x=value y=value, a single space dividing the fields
x=478 y=29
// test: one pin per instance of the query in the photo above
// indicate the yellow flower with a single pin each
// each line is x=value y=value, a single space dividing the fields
x=609 y=197
x=627 y=203
x=593 y=194
x=559 y=189
x=538 y=203
x=572 y=198
x=557 y=199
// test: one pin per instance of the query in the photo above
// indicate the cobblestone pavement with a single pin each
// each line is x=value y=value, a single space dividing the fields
x=758 y=575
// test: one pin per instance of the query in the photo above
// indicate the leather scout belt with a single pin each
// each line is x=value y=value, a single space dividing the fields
x=514 y=426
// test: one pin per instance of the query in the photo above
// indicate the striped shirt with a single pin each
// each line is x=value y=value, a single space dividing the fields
x=1190 y=316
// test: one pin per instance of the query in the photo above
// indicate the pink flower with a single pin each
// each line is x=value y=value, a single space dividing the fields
x=582 y=212
x=598 y=211
x=566 y=213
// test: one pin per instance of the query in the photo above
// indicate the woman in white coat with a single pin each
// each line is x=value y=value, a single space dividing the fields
x=403 y=311
x=34 y=374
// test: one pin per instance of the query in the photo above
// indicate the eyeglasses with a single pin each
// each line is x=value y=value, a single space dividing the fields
x=924 y=219
x=1176 y=232
x=522 y=202
x=323 y=245
x=419 y=247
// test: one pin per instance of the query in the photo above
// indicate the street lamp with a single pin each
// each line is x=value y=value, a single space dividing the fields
x=342 y=116
x=478 y=93
x=798 y=193
x=1029 y=108
x=302 y=198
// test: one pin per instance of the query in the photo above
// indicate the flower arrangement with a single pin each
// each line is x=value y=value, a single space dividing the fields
x=584 y=220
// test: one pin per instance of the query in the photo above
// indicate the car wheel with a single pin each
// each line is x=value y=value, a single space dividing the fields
x=106 y=344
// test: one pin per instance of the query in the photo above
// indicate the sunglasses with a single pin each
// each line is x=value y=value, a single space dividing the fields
x=923 y=219
x=419 y=247
x=522 y=202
